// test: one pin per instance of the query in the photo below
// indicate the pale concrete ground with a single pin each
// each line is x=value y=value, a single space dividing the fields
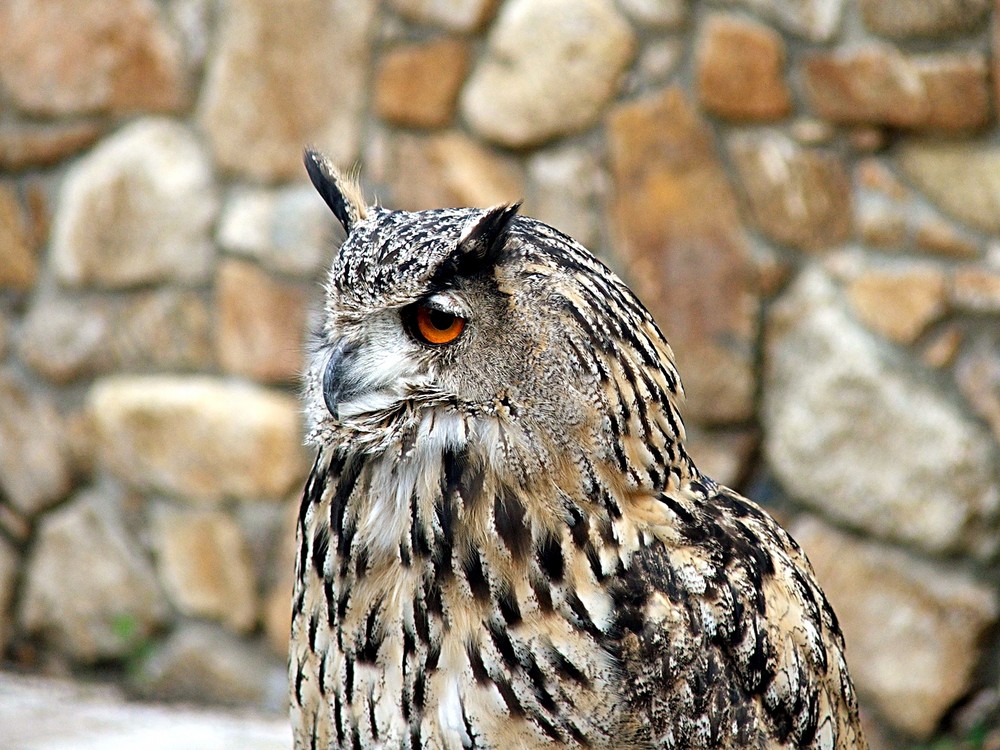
x=47 y=714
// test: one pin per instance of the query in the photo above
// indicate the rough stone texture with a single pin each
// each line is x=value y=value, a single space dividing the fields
x=18 y=266
x=35 y=470
x=660 y=14
x=67 y=338
x=137 y=209
x=963 y=179
x=549 y=68
x=901 y=303
x=197 y=437
x=566 y=188
x=289 y=230
x=976 y=290
x=450 y=169
x=417 y=84
x=32 y=145
x=939 y=237
x=10 y=565
x=842 y=434
x=92 y=717
x=128 y=60
x=677 y=226
x=724 y=456
x=913 y=629
x=904 y=19
x=878 y=84
x=797 y=196
x=261 y=323
x=741 y=70
x=978 y=376
x=205 y=567
x=455 y=15
x=261 y=104
x=817 y=20
x=277 y=603
x=89 y=592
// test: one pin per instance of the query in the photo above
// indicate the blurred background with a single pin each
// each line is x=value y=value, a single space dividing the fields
x=805 y=192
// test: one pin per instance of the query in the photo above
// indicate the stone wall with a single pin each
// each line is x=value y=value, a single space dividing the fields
x=805 y=192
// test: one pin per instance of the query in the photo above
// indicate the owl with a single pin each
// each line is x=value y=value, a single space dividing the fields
x=503 y=542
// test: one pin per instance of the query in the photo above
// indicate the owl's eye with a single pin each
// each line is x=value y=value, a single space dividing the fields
x=437 y=327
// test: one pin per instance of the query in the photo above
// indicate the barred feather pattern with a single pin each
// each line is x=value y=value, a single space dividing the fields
x=504 y=544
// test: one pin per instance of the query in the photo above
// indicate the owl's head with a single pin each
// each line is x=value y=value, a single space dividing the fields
x=477 y=324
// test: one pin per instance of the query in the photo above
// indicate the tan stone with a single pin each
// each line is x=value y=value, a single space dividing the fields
x=978 y=376
x=284 y=75
x=902 y=19
x=89 y=591
x=881 y=228
x=18 y=266
x=120 y=59
x=261 y=323
x=797 y=196
x=816 y=20
x=934 y=235
x=566 y=189
x=942 y=349
x=874 y=175
x=913 y=629
x=549 y=68
x=40 y=145
x=962 y=178
x=196 y=437
x=205 y=567
x=450 y=169
x=677 y=228
x=417 y=84
x=899 y=304
x=880 y=85
x=976 y=290
x=740 y=70
x=278 y=602
x=456 y=15
x=723 y=456
x=660 y=14
x=137 y=209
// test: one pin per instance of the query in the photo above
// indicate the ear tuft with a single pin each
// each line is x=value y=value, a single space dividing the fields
x=482 y=243
x=342 y=194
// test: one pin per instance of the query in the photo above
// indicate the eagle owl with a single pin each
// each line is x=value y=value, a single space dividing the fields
x=503 y=542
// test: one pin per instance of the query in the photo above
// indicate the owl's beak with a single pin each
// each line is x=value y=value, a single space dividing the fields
x=338 y=384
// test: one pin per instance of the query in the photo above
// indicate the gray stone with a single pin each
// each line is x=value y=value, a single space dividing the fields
x=283 y=75
x=197 y=437
x=978 y=377
x=35 y=469
x=70 y=337
x=550 y=67
x=454 y=15
x=89 y=592
x=567 y=186
x=661 y=14
x=92 y=717
x=9 y=571
x=136 y=210
x=963 y=179
x=289 y=230
x=816 y=20
x=903 y=19
x=913 y=629
x=205 y=664
x=856 y=434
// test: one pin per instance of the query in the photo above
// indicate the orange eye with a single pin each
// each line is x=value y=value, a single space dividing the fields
x=438 y=327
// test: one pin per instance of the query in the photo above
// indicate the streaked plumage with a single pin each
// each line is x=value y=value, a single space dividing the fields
x=503 y=543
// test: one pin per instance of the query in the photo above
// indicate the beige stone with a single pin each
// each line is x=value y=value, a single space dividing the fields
x=566 y=188
x=117 y=59
x=24 y=145
x=976 y=290
x=549 y=68
x=816 y=20
x=722 y=455
x=934 y=235
x=18 y=266
x=962 y=178
x=89 y=592
x=261 y=323
x=204 y=565
x=660 y=14
x=278 y=601
x=65 y=338
x=899 y=304
x=417 y=84
x=978 y=376
x=450 y=169
x=903 y=19
x=942 y=348
x=283 y=75
x=137 y=209
x=35 y=471
x=880 y=85
x=913 y=629
x=196 y=437
x=455 y=15
x=741 y=70
x=797 y=196
x=678 y=231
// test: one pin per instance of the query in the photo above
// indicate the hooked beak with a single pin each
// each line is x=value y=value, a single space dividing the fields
x=338 y=384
